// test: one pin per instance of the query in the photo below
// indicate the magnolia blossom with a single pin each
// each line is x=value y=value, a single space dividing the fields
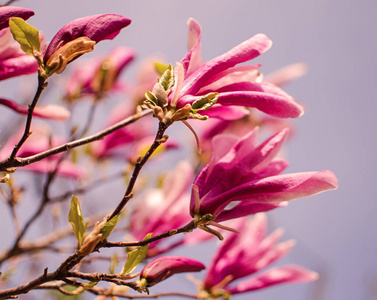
x=163 y=267
x=161 y=210
x=248 y=252
x=235 y=85
x=243 y=179
x=40 y=140
x=99 y=74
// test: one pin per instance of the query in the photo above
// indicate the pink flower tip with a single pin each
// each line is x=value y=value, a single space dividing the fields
x=163 y=267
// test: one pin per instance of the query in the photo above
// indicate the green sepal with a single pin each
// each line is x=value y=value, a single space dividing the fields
x=198 y=116
x=150 y=99
x=76 y=219
x=26 y=35
x=167 y=79
x=205 y=102
x=108 y=227
x=160 y=67
x=136 y=256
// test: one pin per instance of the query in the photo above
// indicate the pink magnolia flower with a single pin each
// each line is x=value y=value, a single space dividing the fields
x=52 y=112
x=161 y=210
x=7 y=12
x=99 y=74
x=248 y=252
x=163 y=267
x=40 y=140
x=247 y=177
x=235 y=85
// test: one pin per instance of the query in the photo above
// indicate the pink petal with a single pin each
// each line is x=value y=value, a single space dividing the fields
x=7 y=12
x=192 y=60
x=285 y=274
x=277 y=106
x=53 y=112
x=245 y=51
x=16 y=66
x=163 y=267
x=228 y=113
x=287 y=74
x=66 y=168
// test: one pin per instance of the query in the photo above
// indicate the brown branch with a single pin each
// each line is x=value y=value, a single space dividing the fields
x=187 y=228
x=41 y=86
x=21 y=162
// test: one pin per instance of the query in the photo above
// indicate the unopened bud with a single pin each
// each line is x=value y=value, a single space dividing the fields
x=159 y=113
x=182 y=113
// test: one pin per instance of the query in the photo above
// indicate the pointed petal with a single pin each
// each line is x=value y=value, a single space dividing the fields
x=7 y=12
x=274 y=105
x=245 y=51
x=285 y=274
x=192 y=60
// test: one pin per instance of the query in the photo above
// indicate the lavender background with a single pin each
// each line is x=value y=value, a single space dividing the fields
x=336 y=231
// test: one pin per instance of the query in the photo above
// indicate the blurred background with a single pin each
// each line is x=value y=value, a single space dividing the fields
x=335 y=231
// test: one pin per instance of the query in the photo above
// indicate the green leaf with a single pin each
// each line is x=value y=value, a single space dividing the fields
x=76 y=219
x=90 y=284
x=167 y=79
x=205 y=102
x=26 y=35
x=136 y=256
x=150 y=99
x=160 y=67
x=108 y=227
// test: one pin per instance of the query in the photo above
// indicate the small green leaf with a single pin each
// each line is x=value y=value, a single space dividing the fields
x=205 y=102
x=26 y=35
x=136 y=256
x=113 y=263
x=76 y=219
x=160 y=67
x=167 y=79
x=90 y=284
x=108 y=227
x=151 y=99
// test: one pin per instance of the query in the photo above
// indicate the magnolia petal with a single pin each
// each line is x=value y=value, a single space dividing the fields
x=287 y=74
x=53 y=112
x=285 y=274
x=228 y=113
x=273 y=189
x=245 y=51
x=192 y=60
x=65 y=169
x=16 y=66
x=7 y=12
x=96 y=28
x=274 y=105
x=247 y=208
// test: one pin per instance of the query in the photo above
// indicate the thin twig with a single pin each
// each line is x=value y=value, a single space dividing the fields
x=159 y=139
x=21 y=162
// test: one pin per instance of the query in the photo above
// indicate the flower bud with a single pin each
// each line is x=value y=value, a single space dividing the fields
x=164 y=267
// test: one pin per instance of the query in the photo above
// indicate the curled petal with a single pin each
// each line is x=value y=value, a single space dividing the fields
x=96 y=28
x=163 y=267
x=7 y=12
x=245 y=51
x=52 y=112
x=16 y=66
x=285 y=274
